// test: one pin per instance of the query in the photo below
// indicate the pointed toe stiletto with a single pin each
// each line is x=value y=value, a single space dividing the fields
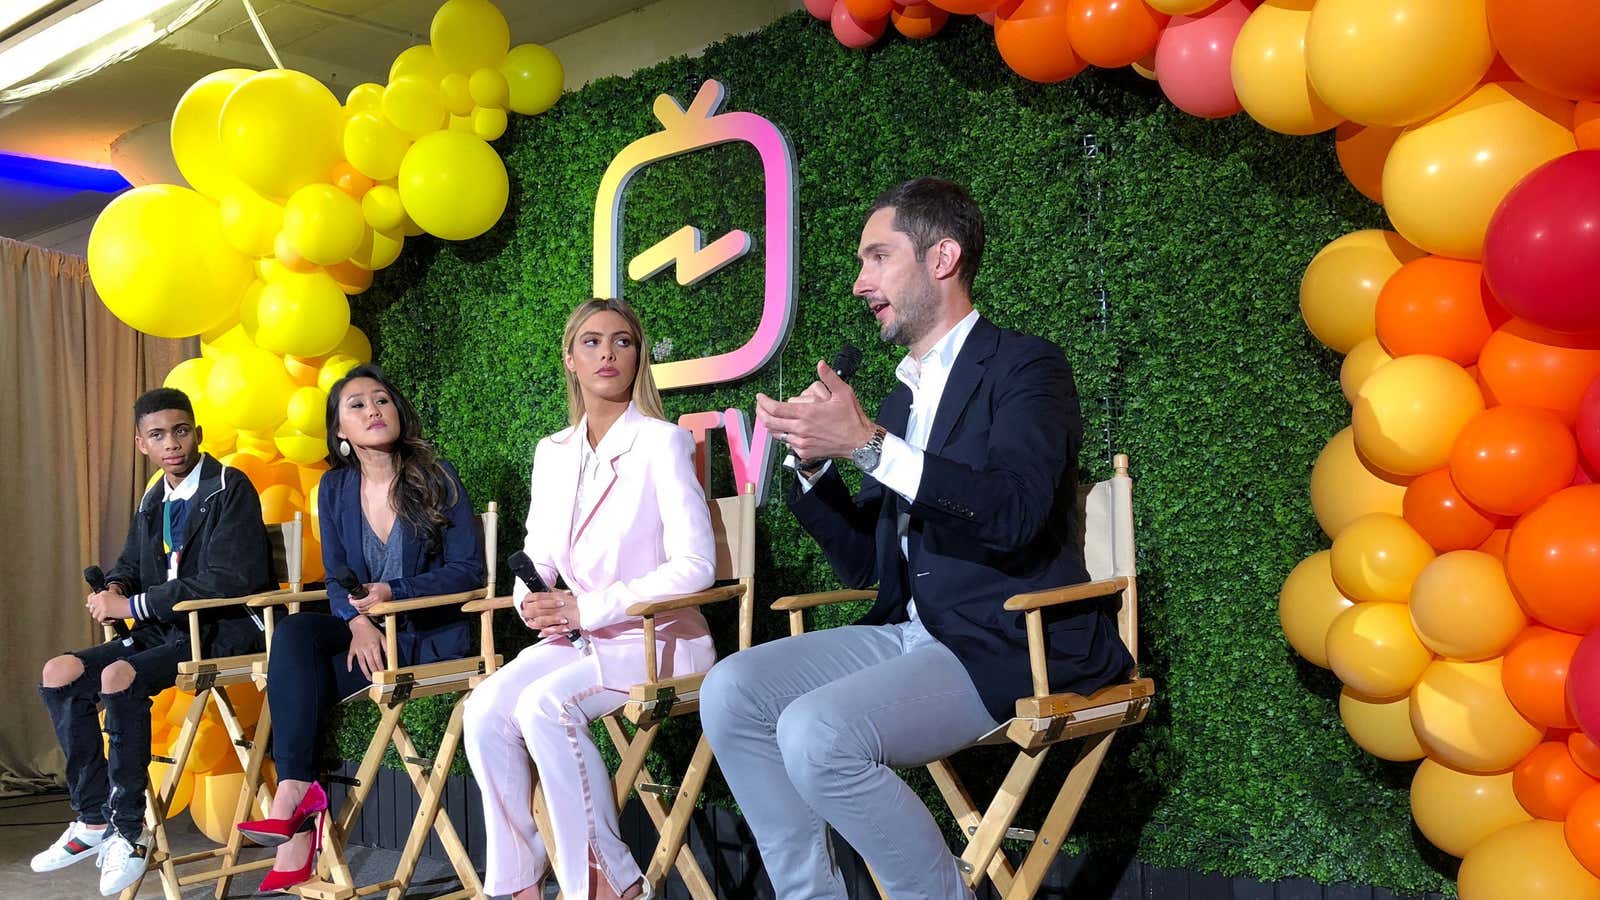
x=282 y=880
x=272 y=832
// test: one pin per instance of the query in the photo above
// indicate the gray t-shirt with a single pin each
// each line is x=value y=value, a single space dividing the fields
x=383 y=560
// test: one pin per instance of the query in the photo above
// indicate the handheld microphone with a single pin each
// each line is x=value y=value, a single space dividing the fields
x=96 y=579
x=845 y=363
x=522 y=567
x=348 y=580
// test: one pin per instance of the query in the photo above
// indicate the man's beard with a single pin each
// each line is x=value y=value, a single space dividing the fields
x=913 y=316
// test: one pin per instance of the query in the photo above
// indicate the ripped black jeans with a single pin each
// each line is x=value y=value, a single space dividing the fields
x=112 y=791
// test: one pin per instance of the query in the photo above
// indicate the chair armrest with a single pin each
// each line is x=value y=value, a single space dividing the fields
x=400 y=606
x=821 y=598
x=284 y=598
x=219 y=602
x=1071 y=593
x=684 y=601
x=489 y=603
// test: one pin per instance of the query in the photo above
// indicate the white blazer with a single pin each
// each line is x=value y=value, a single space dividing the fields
x=646 y=535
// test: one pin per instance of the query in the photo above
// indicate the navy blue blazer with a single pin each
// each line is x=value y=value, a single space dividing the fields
x=995 y=515
x=427 y=635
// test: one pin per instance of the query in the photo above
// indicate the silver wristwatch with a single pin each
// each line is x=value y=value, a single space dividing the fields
x=867 y=455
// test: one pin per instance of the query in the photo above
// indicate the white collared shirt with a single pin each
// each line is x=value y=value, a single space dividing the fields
x=591 y=467
x=184 y=491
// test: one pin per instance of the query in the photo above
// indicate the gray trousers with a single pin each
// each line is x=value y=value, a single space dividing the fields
x=808 y=731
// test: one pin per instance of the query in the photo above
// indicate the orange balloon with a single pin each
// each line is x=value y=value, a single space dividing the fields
x=1548 y=782
x=351 y=278
x=1440 y=306
x=1362 y=150
x=966 y=7
x=1586 y=125
x=1112 y=33
x=1444 y=518
x=349 y=179
x=1550 y=43
x=1495 y=545
x=1553 y=560
x=1582 y=829
x=1508 y=458
x=1535 y=675
x=1524 y=365
x=919 y=21
x=869 y=10
x=284 y=250
x=1585 y=752
x=1033 y=41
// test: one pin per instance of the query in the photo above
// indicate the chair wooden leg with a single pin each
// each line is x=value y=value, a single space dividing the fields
x=967 y=816
x=429 y=817
x=676 y=828
x=694 y=878
x=633 y=753
x=253 y=797
x=1059 y=820
x=541 y=821
x=332 y=865
x=985 y=843
x=156 y=803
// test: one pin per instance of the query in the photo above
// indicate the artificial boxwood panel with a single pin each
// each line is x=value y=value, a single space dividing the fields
x=1161 y=251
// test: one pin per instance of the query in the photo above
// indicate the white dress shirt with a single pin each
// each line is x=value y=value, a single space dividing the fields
x=184 y=491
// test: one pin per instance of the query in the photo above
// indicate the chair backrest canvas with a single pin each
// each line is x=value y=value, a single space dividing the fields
x=1106 y=515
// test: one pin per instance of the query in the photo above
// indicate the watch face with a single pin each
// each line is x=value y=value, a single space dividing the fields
x=865 y=458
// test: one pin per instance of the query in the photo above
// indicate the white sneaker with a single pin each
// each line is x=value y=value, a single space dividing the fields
x=123 y=864
x=78 y=842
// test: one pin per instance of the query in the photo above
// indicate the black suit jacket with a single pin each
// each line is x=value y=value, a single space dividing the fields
x=995 y=515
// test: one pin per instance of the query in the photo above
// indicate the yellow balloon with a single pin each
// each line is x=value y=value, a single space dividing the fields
x=534 y=77
x=381 y=208
x=374 y=146
x=469 y=34
x=1456 y=810
x=1380 y=727
x=216 y=796
x=195 y=145
x=420 y=61
x=414 y=106
x=354 y=344
x=1359 y=364
x=211 y=744
x=231 y=341
x=1269 y=70
x=250 y=222
x=218 y=436
x=1339 y=290
x=185 y=788
x=462 y=124
x=1465 y=720
x=250 y=389
x=1526 y=861
x=303 y=314
x=488 y=123
x=189 y=376
x=1408 y=413
x=1373 y=650
x=1445 y=177
x=324 y=224
x=259 y=446
x=457 y=95
x=307 y=412
x=1344 y=487
x=1462 y=606
x=302 y=371
x=378 y=248
x=1393 y=62
x=1307 y=606
x=454 y=186
x=280 y=131
x=333 y=370
x=364 y=98
x=489 y=87
x=303 y=449
x=1376 y=558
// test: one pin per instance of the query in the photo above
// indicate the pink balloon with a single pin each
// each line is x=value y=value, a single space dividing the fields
x=1541 y=255
x=822 y=9
x=855 y=34
x=1194 y=60
x=1583 y=683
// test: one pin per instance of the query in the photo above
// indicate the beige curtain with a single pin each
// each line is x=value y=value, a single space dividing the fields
x=69 y=477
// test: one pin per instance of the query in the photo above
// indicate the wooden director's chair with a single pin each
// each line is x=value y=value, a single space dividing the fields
x=655 y=700
x=392 y=688
x=207 y=679
x=1044 y=719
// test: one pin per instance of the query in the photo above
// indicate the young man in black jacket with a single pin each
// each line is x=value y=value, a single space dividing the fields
x=196 y=535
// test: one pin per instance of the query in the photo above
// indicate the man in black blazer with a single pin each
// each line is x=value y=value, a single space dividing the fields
x=968 y=497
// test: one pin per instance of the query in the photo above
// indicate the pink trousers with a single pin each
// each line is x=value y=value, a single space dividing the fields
x=540 y=706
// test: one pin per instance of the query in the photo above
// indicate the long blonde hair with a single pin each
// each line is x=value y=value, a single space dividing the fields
x=645 y=395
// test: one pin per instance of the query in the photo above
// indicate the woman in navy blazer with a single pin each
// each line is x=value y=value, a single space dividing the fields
x=397 y=517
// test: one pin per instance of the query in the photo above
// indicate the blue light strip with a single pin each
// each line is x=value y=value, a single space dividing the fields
x=53 y=173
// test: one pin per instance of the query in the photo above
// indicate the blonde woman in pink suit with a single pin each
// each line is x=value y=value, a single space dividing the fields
x=619 y=517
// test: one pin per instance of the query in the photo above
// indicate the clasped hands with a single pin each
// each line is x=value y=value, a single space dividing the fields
x=109 y=605
x=824 y=422
x=550 y=612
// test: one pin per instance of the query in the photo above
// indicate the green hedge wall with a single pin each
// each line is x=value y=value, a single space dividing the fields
x=1161 y=251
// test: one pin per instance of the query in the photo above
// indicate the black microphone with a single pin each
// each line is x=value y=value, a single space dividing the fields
x=523 y=568
x=845 y=363
x=348 y=580
x=96 y=578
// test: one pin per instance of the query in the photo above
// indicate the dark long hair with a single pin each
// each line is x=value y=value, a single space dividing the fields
x=422 y=492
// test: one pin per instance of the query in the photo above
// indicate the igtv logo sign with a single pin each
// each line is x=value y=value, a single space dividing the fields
x=684 y=131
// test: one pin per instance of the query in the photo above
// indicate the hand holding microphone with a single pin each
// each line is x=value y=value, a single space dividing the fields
x=548 y=612
x=362 y=596
x=96 y=579
x=826 y=421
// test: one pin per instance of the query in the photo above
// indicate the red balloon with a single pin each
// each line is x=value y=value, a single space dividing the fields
x=1194 y=60
x=853 y=32
x=1437 y=306
x=1583 y=684
x=1032 y=39
x=1541 y=254
x=821 y=9
x=1444 y=518
x=1508 y=458
x=1534 y=675
x=1550 y=43
x=1553 y=563
x=1588 y=425
x=1112 y=33
x=1547 y=781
